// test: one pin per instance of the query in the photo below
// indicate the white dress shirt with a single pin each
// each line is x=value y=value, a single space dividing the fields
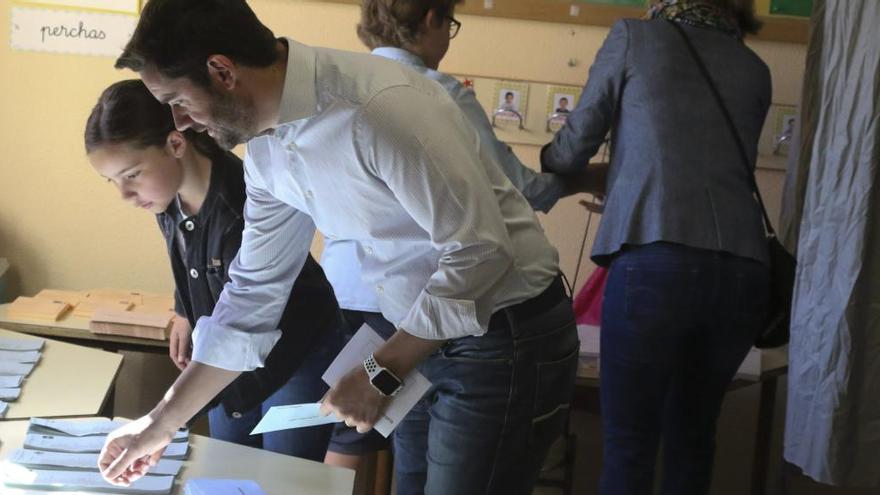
x=341 y=259
x=370 y=151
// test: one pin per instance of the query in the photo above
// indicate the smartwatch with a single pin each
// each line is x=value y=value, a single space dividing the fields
x=382 y=379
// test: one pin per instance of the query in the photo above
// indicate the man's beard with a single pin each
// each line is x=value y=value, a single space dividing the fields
x=234 y=121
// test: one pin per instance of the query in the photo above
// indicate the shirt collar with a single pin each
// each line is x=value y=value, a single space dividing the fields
x=399 y=55
x=298 y=98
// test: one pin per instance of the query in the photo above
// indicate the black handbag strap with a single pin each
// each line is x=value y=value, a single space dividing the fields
x=736 y=137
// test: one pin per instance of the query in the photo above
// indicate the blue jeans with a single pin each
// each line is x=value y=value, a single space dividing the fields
x=305 y=385
x=676 y=324
x=496 y=404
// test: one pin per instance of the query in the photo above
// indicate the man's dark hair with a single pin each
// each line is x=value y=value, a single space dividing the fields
x=177 y=37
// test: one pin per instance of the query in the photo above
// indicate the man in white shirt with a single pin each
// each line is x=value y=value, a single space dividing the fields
x=386 y=27
x=458 y=260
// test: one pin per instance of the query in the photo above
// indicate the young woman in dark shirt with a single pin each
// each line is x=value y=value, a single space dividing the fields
x=197 y=192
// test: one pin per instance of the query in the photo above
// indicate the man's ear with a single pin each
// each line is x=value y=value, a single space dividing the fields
x=431 y=20
x=176 y=144
x=223 y=71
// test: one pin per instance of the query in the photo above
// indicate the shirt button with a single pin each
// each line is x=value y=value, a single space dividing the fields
x=291 y=147
x=369 y=250
x=236 y=415
x=309 y=194
x=194 y=273
x=380 y=289
x=189 y=225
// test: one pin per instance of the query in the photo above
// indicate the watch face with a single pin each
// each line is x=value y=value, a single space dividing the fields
x=385 y=382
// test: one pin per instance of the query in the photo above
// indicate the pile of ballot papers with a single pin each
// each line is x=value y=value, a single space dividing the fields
x=63 y=455
x=18 y=357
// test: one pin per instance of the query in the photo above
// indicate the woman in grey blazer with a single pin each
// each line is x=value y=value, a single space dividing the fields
x=681 y=233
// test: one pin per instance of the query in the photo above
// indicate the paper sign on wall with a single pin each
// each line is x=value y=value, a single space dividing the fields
x=86 y=33
x=127 y=6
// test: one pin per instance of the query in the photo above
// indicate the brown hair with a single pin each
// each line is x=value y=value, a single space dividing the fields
x=126 y=113
x=396 y=22
x=744 y=13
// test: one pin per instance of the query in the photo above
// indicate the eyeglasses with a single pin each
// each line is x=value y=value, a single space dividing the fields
x=454 y=26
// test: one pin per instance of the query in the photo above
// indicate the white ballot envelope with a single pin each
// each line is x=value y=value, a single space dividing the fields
x=37 y=459
x=85 y=428
x=16 y=369
x=11 y=381
x=90 y=444
x=208 y=486
x=13 y=344
x=20 y=356
x=293 y=416
x=83 y=481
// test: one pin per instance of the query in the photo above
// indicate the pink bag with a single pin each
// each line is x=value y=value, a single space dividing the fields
x=588 y=303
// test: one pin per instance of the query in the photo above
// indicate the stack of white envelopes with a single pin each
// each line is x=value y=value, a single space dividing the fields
x=63 y=455
x=18 y=357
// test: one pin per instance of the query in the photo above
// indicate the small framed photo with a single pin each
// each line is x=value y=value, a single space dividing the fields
x=560 y=102
x=509 y=100
x=509 y=106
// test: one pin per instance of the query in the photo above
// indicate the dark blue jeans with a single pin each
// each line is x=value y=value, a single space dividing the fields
x=676 y=324
x=305 y=385
x=496 y=404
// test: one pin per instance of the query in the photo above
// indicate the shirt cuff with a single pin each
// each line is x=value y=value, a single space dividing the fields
x=552 y=188
x=439 y=318
x=231 y=349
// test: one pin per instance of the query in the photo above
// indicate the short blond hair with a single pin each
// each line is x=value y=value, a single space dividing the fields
x=397 y=22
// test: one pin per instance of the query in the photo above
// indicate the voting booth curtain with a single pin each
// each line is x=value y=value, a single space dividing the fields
x=832 y=213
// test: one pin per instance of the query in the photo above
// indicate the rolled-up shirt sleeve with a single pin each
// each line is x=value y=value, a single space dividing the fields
x=588 y=124
x=436 y=173
x=243 y=328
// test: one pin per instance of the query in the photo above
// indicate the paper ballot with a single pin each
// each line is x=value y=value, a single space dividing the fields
x=12 y=344
x=80 y=428
x=293 y=416
x=11 y=381
x=43 y=459
x=20 y=356
x=207 y=486
x=9 y=393
x=83 y=481
x=92 y=444
x=9 y=368
x=365 y=341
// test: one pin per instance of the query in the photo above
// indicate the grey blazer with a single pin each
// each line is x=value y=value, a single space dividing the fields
x=676 y=174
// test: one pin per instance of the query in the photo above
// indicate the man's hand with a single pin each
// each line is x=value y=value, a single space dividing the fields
x=355 y=401
x=180 y=342
x=592 y=180
x=130 y=451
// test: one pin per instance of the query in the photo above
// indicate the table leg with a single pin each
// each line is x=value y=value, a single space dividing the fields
x=763 y=436
x=107 y=408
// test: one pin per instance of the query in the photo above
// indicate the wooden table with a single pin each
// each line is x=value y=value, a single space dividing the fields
x=76 y=330
x=761 y=368
x=69 y=380
x=277 y=474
